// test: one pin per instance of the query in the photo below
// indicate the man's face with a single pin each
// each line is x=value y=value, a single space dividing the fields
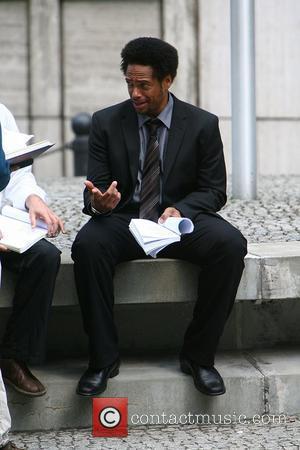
x=149 y=96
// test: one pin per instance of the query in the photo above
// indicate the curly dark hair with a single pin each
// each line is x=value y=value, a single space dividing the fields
x=153 y=52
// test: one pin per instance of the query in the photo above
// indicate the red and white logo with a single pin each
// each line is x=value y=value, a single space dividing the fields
x=110 y=417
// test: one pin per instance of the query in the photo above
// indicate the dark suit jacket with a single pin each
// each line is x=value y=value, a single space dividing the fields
x=194 y=178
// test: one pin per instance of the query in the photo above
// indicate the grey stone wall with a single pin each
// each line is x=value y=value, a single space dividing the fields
x=14 y=59
x=59 y=58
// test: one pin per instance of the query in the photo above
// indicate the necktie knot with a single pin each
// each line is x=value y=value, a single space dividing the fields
x=153 y=125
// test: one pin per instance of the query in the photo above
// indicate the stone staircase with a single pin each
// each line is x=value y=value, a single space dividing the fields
x=260 y=368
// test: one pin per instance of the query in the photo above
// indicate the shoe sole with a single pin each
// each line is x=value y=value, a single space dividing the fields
x=187 y=369
x=113 y=374
x=21 y=391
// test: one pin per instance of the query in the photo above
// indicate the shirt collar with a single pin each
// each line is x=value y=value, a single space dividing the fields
x=165 y=116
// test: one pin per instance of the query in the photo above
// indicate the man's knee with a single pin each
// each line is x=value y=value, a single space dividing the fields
x=82 y=245
x=87 y=247
x=234 y=243
x=45 y=254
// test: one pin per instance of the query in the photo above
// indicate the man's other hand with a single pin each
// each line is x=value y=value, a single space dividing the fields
x=104 y=202
x=169 y=212
x=39 y=210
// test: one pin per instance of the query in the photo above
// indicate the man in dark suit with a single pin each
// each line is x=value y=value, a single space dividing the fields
x=154 y=157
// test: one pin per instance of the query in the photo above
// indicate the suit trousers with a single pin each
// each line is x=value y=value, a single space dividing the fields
x=215 y=245
x=36 y=269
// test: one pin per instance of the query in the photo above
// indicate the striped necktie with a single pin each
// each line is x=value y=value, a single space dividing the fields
x=150 y=189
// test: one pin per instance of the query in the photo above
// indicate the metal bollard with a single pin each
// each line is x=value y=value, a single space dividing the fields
x=81 y=124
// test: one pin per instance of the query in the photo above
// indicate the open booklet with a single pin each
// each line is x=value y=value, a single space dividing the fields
x=153 y=237
x=15 y=148
x=17 y=233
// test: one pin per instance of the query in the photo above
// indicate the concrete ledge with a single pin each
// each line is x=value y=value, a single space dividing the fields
x=153 y=386
x=272 y=271
x=280 y=269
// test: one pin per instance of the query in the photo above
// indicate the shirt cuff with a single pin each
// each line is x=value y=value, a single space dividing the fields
x=95 y=211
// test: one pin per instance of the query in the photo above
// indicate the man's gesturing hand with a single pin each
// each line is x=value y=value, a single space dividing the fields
x=39 y=210
x=169 y=212
x=104 y=202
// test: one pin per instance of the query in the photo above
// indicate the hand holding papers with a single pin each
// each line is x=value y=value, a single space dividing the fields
x=17 y=232
x=153 y=237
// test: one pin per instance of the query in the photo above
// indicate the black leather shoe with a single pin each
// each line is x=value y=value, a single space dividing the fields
x=206 y=379
x=94 y=382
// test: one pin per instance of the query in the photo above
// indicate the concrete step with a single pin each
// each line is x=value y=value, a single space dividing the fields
x=145 y=329
x=272 y=271
x=258 y=382
x=271 y=278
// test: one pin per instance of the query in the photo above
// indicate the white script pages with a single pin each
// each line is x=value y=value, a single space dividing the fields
x=17 y=233
x=16 y=150
x=153 y=237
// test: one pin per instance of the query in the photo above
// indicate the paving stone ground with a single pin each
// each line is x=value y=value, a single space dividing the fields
x=274 y=216
x=279 y=434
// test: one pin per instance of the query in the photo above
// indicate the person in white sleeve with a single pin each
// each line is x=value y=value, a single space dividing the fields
x=24 y=338
x=5 y=420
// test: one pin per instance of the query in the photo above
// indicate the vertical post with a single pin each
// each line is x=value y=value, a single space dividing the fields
x=243 y=99
x=81 y=124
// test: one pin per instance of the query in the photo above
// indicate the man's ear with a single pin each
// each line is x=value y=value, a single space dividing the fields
x=167 y=82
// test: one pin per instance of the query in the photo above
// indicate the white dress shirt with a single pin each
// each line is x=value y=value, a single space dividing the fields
x=22 y=182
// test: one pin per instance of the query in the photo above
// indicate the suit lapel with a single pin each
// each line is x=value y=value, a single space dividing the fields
x=132 y=139
x=176 y=133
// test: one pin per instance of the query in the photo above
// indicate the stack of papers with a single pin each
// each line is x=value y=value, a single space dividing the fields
x=16 y=150
x=153 y=237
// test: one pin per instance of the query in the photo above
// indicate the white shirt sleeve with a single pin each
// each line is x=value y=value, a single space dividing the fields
x=22 y=182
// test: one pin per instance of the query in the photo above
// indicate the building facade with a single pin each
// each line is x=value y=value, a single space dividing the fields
x=61 y=57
